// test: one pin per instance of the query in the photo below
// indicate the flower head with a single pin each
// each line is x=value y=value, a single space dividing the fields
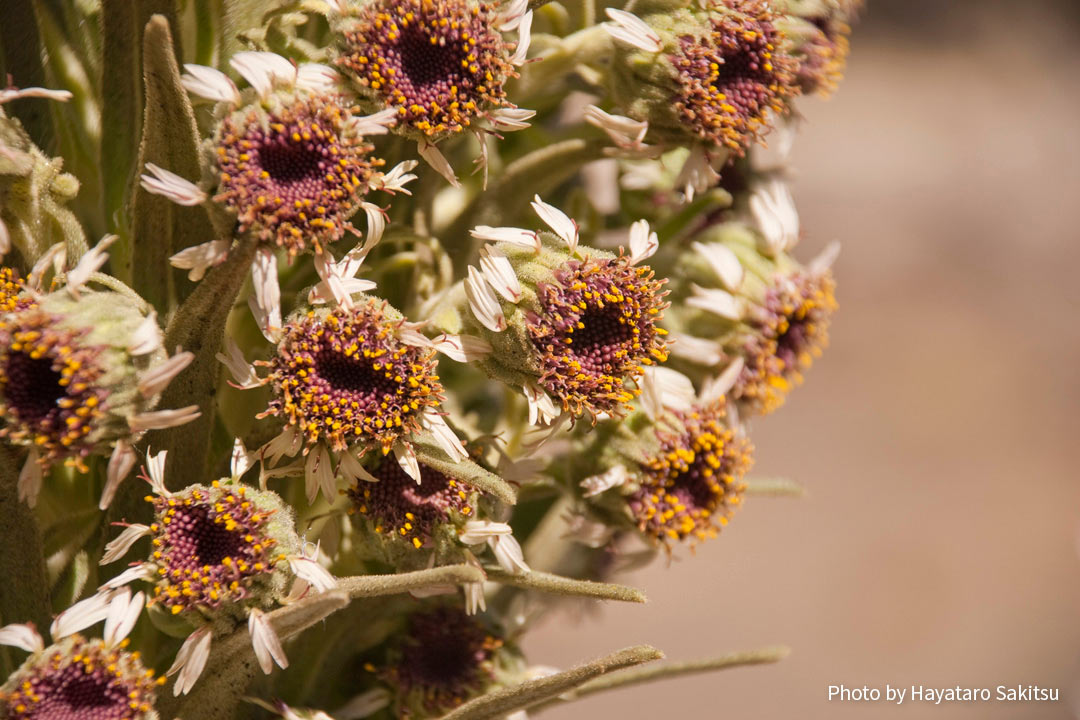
x=220 y=548
x=818 y=36
x=80 y=376
x=441 y=65
x=732 y=75
x=408 y=512
x=344 y=378
x=574 y=323
x=81 y=678
x=443 y=659
x=791 y=330
x=770 y=312
x=292 y=170
x=692 y=483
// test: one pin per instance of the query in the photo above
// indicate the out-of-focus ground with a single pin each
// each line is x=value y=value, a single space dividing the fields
x=938 y=436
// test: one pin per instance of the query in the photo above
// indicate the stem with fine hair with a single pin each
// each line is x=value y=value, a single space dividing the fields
x=559 y=585
x=362 y=586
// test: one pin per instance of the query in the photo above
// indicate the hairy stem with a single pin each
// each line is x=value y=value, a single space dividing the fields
x=559 y=585
x=24 y=591
x=363 y=586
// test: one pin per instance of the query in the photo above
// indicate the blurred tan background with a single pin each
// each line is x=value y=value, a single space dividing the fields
x=937 y=437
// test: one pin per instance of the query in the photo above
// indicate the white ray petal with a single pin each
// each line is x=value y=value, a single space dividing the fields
x=447 y=439
x=541 y=408
x=190 y=660
x=772 y=209
x=30 y=478
x=825 y=258
x=479 y=531
x=155 y=471
x=406 y=458
x=714 y=389
x=666 y=388
x=243 y=372
x=463 y=348
x=483 y=302
x=22 y=636
x=313 y=573
x=162 y=419
x=119 y=546
x=718 y=302
x=263 y=70
x=511 y=235
x=210 y=83
x=438 y=162
x=317 y=78
x=121 y=461
x=265 y=642
x=643 y=242
x=124 y=611
x=319 y=474
x=723 y=262
x=154 y=381
x=170 y=185
x=632 y=30
x=596 y=484
x=499 y=273
x=524 y=29
x=147 y=336
x=200 y=258
x=9 y=94
x=88 y=264
x=510 y=119
x=697 y=350
x=624 y=132
x=240 y=460
x=508 y=554
x=558 y=221
x=376 y=124
x=81 y=615
x=399 y=176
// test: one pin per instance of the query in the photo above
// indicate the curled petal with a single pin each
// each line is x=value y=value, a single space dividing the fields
x=147 y=336
x=265 y=642
x=239 y=459
x=596 y=484
x=81 y=615
x=666 y=388
x=643 y=243
x=399 y=176
x=124 y=611
x=824 y=259
x=209 y=83
x=695 y=349
x=264 y=277
x=510 y=119
x=723 y=262
x=632 y=30
x=541 y=408
x=313 y=573
x=30 y=477
x=524 y=28
x=479 y=531
x=511 y=16
x=508 y=553
x=447 y=439
x=23 y=636
x=317 y=78
x=200 y=258
x=170 y=185
x=363 y=705
x=319 y=474
x=558 y=221
x=88 y=264
x=406 y=458
x=155 y=380
x=718 y=302
x=463 y=348
x=716 y=388
x=697 y=174
x=512 y=235
x=772 y=209
x=118 y=547
x=438 y=162
x=624 y=132
x=143 y=571
x=263 y=69
x=243 y=372
x=499 y=273
x=161 y=419
x=121 y=462
x=377 y=124
x=54 y=257
x=190 y=660
x=351 y=468
x=155 y=472
x=9 y=94
x=287 y=443
x=485 y=306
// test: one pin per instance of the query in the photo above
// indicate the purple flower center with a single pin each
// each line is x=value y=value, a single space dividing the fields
x=33 y=389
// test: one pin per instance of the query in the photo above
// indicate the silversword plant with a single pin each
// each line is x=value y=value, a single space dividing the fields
x=341 y=339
